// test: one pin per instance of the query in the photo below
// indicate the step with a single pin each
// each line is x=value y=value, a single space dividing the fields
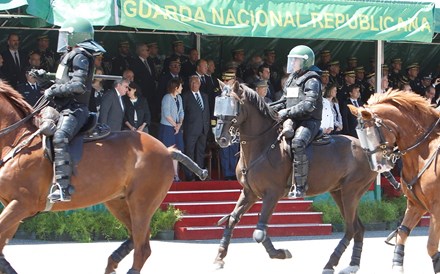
x=203 y=195
x=252 y=218
x=425 y=221
x=226 y=207
x=246 y=231
x=205 y=185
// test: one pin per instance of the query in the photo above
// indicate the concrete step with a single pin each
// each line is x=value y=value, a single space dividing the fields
x=226 y=207
x=246 y=231
x=252 y=218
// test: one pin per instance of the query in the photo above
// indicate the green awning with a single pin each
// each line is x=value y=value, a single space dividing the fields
x=301 y=19
x=11 y=4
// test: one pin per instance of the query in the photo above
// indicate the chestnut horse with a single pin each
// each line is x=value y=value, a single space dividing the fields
x=404 y=125
x=265 y=168
x=129 y=172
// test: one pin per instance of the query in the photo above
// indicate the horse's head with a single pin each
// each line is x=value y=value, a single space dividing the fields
x=227 y=109
x=376 y=138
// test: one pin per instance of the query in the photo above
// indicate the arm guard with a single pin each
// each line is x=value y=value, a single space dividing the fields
x=312 y=91
x=76 y=85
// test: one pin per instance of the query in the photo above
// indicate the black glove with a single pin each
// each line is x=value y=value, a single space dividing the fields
x=284 y=113
x=49 y=93
x=42 y=78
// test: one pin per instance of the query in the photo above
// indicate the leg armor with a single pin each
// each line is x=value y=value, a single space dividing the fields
x=303 y=136
x=67 y=128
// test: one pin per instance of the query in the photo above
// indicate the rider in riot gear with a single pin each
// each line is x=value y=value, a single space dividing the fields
x=303 y=96
x=71 y=97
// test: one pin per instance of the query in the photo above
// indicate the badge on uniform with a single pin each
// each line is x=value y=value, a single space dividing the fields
x=292 y=92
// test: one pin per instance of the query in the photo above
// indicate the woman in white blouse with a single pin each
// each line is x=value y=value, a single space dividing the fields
x=331 y=123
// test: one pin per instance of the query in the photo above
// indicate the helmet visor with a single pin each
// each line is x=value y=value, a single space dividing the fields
x=294 y=63
x=63 y=41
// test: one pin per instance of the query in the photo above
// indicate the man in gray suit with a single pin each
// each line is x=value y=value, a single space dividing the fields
x=112 y=107
x=196 y=124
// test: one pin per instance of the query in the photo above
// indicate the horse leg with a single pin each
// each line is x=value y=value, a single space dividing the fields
x=353 y=228
x=143 y=210
x=10 y=219
x=119 y=209
x=413 y=214
x=5 y=267
x=433 y=238
x=246 y=200
x=270 y=200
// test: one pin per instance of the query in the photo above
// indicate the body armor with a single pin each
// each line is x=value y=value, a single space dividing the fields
x=304 y=96
x=71 y=97
x=304 y=103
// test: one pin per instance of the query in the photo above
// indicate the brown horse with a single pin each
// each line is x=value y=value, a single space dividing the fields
x=265 y=168
x=403 y=125
x=129 y=172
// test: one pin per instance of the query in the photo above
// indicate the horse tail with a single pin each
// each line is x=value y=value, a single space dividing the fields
x=188 y=162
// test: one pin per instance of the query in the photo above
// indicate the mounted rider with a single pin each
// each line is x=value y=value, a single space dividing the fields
x=71 y=97
x=303 y=112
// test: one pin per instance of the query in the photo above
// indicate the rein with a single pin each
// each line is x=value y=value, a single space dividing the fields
x=40 y=105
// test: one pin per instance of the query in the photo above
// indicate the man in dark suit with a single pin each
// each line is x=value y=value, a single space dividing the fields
x=111 y=112
x=121 y=62
x=196 y=124
x=15 y=61
x=145 y=76
x=178 y=49
x=349 y=121
x=30 y=89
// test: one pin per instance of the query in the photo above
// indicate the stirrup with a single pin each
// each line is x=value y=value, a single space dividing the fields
x=59 y=194
x=299 y=192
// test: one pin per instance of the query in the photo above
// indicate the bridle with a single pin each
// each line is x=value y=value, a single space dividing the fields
x=389 y=152
x=392 y=153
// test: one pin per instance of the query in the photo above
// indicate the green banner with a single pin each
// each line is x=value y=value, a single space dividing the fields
x=300 y=19
x=99 y=12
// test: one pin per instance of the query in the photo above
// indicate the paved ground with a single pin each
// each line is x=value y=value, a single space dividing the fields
x=195 y=257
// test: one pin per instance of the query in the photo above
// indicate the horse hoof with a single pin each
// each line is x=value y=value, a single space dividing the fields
x=259 y=235
x=219 y=265
x=350 y=270
x=204 y=175
x=281 y=254
x=328 y=271
x=398 y=269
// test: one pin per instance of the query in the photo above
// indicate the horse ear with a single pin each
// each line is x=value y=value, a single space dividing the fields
x=222 y=85
x=236 y=87
x=354 y=110
x=360 y=111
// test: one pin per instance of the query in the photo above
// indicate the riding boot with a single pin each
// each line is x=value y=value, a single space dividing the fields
x=61 y=190
x=301 y=170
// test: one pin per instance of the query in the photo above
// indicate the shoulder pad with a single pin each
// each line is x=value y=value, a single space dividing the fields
x=92 y=46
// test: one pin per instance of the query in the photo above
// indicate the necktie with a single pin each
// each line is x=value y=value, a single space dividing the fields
x=199 y=100
x=17 y=62
x=203 y=79
x=355 y=103
x=122 y=103
x=34 y=87
x=147 y=65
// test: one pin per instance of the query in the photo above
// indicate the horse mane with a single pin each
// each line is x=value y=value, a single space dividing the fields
x=258 y=101
x=15 y=98
x=406 y=101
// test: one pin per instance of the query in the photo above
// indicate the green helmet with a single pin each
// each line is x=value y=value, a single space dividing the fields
x=300 y=58
x=74 y=31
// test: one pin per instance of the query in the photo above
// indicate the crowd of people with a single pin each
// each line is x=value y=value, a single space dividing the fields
x=173 y=98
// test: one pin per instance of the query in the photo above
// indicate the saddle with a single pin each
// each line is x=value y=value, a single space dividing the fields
x=320 y=139
x=91 y=131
